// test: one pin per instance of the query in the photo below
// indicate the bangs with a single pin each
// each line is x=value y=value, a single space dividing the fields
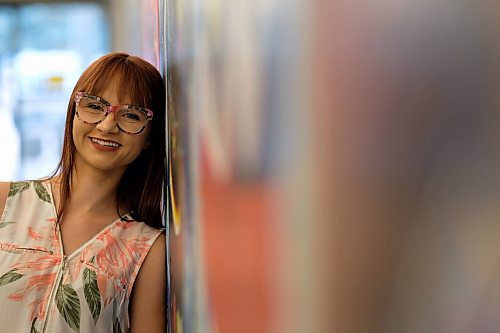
x=132 y=83
x=138 y=82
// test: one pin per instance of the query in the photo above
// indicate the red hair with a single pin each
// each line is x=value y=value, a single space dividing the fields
x=141 y=187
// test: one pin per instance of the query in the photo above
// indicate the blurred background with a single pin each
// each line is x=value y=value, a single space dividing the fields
x=44 y=47
x=333 y=165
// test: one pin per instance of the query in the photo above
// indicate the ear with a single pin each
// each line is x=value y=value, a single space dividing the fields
x=147 y=145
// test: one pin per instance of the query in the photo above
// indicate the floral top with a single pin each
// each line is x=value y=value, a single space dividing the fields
x=43 y=290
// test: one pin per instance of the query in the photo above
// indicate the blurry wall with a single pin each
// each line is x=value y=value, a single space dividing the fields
x=406 y=166
x=234 y=83
x=134 y=28
x=337 y=166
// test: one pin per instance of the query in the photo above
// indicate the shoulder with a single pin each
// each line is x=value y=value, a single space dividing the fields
x=149 y=244
x=4 y=193
x=159 y=246
x=152 y=271
x=147 y=307
x=153 y=267
x=156 y=255
x=128 y=227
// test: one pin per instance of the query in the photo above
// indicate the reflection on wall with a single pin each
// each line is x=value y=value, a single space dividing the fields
x=183 y=237
x=230 y=68
x=369 y=206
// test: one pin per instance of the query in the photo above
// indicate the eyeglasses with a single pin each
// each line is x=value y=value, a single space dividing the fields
x=129 y=118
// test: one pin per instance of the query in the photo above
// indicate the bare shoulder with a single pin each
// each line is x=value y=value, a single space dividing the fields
x=4 y=192
x=153 y=267
x=157 y=251
x=148 y=299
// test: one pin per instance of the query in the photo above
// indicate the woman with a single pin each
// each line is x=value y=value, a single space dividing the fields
x=82 y=251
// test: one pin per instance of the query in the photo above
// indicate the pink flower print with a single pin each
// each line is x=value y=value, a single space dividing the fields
x=107 y=287
x=17 y=297
x=120 y=253
x=47 y=231
x=51 y=233
x=111 y=261
x=33 y=234
x=112 y=256
x=34 y=265
x=124 y=225
x=38 y=283
x=115 y=255
x=135 y=249
x=41 y=282
x=35 y=269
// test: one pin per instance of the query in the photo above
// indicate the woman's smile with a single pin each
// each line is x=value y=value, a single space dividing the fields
x=104 y=145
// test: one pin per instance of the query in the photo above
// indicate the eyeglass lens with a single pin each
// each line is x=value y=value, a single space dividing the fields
x=129 y=119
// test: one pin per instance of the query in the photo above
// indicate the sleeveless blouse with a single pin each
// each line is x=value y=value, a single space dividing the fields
x=44 y=290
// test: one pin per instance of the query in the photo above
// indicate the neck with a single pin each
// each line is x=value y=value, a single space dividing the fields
x=93 y=192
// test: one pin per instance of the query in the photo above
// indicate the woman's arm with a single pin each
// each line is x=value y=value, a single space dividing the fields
x=148 y=299
x=4 y=192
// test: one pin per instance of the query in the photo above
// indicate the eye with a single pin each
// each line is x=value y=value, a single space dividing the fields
x=88 y=104
x=131 y=116
x=95 y=106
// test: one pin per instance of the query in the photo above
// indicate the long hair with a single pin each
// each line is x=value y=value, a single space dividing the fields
x=140 y=188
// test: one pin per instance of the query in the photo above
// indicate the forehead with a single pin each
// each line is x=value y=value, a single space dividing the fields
x=114 y=93
x=118 y=86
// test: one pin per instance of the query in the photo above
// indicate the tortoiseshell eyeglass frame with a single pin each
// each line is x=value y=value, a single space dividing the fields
x=112 y=109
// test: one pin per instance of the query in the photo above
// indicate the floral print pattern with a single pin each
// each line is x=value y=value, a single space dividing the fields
x=87 y=291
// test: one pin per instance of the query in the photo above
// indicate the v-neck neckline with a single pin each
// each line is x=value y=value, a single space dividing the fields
x=84 y=244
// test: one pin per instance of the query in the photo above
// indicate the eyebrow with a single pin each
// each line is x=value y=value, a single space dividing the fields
x=100 y=99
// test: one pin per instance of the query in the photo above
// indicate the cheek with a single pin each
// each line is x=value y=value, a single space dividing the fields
x=140 y=146
x=146 y=139
x=75 y=132
x=79 y=131
x=136 y=147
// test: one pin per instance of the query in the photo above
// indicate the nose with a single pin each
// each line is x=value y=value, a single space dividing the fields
x=108 y=124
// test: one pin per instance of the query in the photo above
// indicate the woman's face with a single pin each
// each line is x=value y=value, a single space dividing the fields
x=104 y=146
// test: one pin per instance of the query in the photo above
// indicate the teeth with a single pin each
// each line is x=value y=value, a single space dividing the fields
x=105 y=143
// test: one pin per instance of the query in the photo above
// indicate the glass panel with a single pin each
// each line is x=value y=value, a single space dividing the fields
x=44 y=49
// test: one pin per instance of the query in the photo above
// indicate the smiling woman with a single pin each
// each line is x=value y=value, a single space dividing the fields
x=80 y=250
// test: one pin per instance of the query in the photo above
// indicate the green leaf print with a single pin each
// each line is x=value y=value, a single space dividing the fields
x=91 y=292
x=9 y=277
x=18 y=187
x=69 y=305
x=6 y=223
x=42 y=192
